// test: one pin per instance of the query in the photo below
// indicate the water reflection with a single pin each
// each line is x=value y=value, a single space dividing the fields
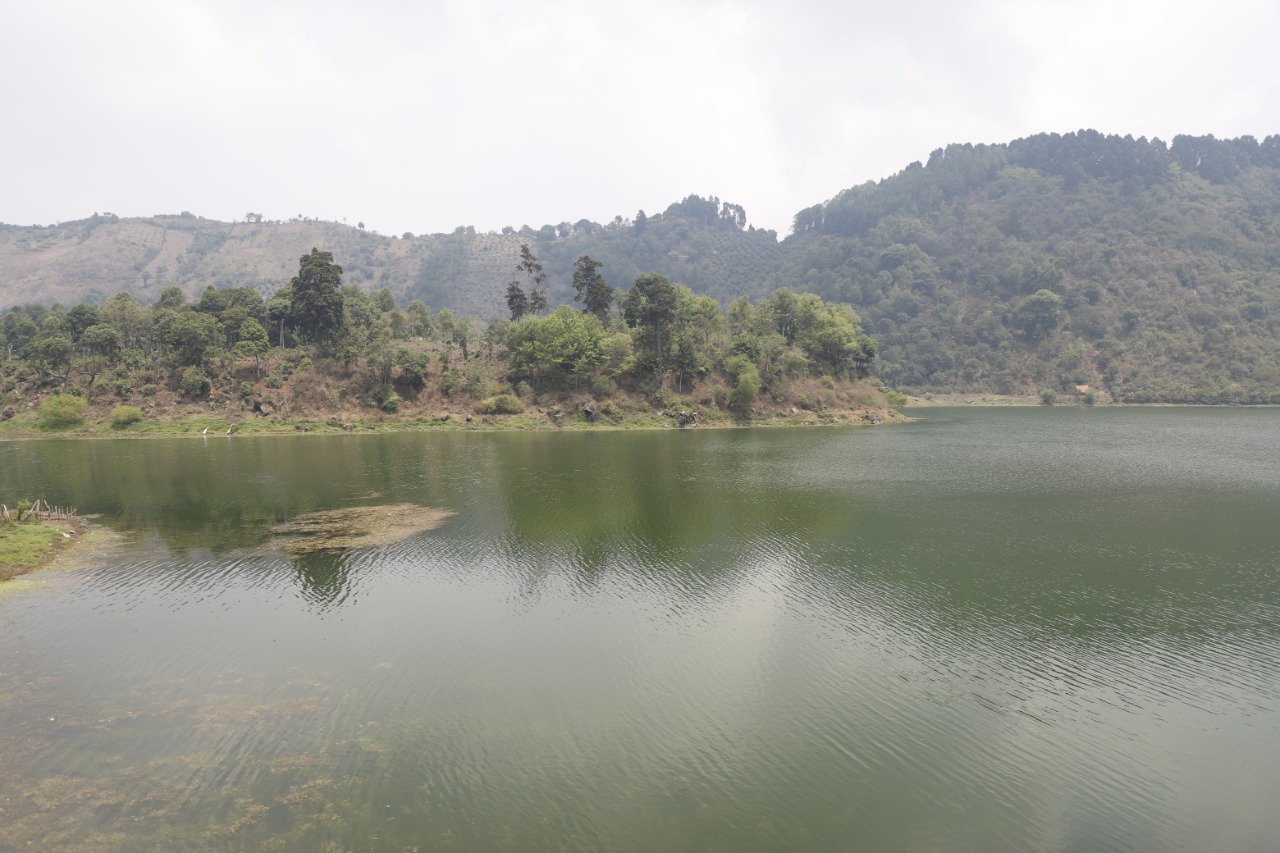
x=1001 y=631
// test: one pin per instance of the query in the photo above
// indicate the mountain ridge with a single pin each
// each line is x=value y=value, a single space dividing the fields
x=1147 y=269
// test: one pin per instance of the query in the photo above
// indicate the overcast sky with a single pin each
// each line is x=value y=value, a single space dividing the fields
x=422 y=116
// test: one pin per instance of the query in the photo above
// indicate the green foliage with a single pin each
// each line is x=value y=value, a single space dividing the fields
x=316 y=297
x=62 y=411
x=391 y=404
x=1048 y=396
x=194 y=384
x=501 y=404
x=125 y=416
x=896 y=398
x=590 y=288
x=746 y=379
x=568 y=345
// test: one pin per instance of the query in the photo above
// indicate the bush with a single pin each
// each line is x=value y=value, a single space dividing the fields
x=62 y=411
x=124 y=416
x=194 y=383
x=1048 y=396
x=391 y=404
x=502 y=404
x=450 y=380
x=610 y=410
x=148 y=390
x=1090 y=398
x=896 y=398
x=245 y=389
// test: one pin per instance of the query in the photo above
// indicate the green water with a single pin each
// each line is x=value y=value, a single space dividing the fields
x=1026 y=629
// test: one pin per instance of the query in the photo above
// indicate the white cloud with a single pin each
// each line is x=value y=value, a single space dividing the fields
x=421 y=117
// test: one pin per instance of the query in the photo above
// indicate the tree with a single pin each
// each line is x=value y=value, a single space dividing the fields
x=595 y=294
x=189 y=336
x=569 y=343
x=100 y=339
x=535 y=297
x=385 y=300
x=1039 y=313
x=316 y=297
x=51 y=355
x=171 y=297
x=253 y=341
x=650 y=308
x=517 y=301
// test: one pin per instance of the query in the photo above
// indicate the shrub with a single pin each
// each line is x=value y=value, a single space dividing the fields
x=124 y=416
x=62 y=411
x=1048 y=396
x=148 y=390
x=502 y=404
x=1090 y=398
x=245 y=389
x=194 y=383
x=391 y=404
x=450 y=380
x=610 y=410
x=896 y=398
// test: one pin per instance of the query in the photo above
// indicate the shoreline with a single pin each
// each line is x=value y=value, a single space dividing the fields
x=204 y=426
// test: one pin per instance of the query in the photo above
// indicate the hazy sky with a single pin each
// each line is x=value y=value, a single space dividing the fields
x=422 y=116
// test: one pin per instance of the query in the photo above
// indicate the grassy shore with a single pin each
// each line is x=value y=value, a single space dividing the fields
x=31 y=545
x=194 y=422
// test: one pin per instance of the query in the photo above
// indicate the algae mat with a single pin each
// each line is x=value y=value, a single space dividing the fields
x=357 y=527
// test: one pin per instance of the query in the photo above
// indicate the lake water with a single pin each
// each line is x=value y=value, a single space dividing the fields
x=994 y=629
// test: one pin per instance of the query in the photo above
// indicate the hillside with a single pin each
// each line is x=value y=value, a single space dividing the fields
x=1150 y=272
x=698 y=242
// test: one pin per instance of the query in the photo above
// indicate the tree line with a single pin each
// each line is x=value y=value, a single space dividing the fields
x=654 y=338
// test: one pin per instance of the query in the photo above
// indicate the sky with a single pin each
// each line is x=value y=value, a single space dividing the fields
x=424 y=116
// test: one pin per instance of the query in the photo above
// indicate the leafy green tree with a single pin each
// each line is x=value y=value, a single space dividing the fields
x=81 y=317
x=1039 y=313
x=535 y=279
x=123 y=313
x=421 y=323
x=100 y=339
x=189 y=337
x=19 y=330
x=649 y=307
x=385 y=300
x=51 y=355
x=316 y=297
x=595 y=294
x=567 y=345
x=517 y=301
x=252 y=342
x=172 y=298
x=279 y=312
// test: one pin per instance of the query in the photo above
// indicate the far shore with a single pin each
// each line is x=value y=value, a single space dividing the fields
x=212 y=426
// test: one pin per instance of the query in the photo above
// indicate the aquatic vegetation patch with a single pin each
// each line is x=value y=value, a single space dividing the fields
x=357 y=527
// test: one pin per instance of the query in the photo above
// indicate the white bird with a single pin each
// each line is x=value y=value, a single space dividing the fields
x=206 y=431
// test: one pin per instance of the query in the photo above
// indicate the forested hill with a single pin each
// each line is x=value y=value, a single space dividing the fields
x=1146 y=270
x=703 y=243
x=1150 y=270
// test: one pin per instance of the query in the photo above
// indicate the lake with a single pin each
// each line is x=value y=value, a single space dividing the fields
x=992 y=629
